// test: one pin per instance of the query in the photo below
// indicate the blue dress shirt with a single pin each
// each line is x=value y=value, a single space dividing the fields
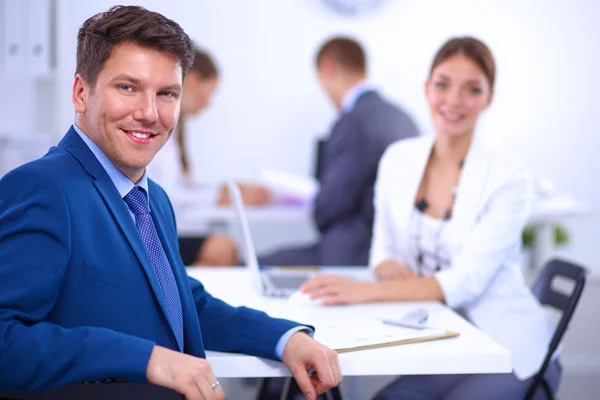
x=354 y=93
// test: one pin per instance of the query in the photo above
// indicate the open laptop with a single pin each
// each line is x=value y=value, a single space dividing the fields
x=271 y=282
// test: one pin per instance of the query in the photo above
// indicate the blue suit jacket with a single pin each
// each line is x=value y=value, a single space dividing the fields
x=79 y=299
x=349 y=158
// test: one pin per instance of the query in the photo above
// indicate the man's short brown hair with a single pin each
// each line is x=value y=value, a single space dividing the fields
x=121 y=24
x=344 y=51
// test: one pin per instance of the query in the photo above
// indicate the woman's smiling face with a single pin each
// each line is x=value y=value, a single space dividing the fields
x=457 y=92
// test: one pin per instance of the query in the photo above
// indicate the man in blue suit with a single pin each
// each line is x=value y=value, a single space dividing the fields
x=91 y=284
x=348 y=159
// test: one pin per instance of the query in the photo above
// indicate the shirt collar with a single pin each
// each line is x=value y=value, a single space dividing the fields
x=121 y=182
x=350 y=98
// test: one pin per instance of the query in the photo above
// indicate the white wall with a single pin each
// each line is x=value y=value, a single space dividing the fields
x=269 y=108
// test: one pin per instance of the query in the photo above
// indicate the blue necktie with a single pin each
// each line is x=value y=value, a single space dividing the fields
x=136 y=200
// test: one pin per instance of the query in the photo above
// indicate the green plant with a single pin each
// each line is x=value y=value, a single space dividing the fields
x=560 y=236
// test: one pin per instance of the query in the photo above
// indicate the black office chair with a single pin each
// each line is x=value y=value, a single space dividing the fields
x=318 y=158
x=97 y=391
x=543 y=290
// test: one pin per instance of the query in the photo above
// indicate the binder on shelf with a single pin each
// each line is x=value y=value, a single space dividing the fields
x=38 y=36
x=2 y=13
x=14 y=25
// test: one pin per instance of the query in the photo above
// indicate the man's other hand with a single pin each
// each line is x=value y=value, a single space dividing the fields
x=303 y=354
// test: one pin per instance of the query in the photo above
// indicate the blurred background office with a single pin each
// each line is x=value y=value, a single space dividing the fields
x=269 y=110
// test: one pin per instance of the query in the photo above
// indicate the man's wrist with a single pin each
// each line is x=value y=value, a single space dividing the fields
x=286 y=337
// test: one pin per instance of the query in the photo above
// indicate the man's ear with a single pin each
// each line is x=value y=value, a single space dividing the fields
x=81 y=91
x=327 y=66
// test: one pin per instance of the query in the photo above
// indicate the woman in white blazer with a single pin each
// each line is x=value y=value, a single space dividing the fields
x=171 y=169
x=449 y=212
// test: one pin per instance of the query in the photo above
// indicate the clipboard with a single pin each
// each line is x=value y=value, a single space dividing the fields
x=373 y=334
x=443 y=335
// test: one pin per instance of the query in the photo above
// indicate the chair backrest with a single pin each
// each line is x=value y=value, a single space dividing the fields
x=543 y=290
x=548 y=296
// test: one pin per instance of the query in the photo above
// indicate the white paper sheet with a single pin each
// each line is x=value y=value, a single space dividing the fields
x=368 y=333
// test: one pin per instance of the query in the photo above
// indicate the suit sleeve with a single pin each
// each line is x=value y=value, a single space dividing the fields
x=237 y=329
x=35 y=246
x=496 y=235
x=344 y=176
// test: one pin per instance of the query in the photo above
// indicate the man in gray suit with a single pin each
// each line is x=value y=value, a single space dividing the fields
x=343 y=208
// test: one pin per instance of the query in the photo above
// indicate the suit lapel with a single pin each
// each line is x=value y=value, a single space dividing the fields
x=469 y=196
x=414 y=167
x=73 y=144
x=471 y=186
x=122 y=217
x=187 y=301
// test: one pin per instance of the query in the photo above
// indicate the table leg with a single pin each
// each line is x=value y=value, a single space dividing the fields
x=335 y=394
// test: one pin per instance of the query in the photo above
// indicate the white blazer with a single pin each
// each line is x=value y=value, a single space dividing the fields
x=484 y=282
x=184 y=192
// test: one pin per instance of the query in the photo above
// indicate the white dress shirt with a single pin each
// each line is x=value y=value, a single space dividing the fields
x=431 y=243
x=482 y=241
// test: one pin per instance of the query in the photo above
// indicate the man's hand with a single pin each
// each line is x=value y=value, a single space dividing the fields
x=187 y=375
x=335 y=289
x=390 y=270
x=303 y=354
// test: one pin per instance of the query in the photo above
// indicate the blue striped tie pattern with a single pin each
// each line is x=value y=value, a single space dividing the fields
x=136 y=200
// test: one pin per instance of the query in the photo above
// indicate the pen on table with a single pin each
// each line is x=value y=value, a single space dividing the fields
x=415 y=319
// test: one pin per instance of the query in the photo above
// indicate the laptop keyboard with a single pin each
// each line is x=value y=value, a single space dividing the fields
x=284 y=282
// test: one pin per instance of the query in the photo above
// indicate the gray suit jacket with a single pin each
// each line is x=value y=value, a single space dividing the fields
x=348 y=168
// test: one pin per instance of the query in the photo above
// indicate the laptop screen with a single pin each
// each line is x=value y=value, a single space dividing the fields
x=251 y=259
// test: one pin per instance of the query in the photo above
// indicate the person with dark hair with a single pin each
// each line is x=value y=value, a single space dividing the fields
x=92 y=287
x=171 y=169
x=367 y=124
x=449 y=212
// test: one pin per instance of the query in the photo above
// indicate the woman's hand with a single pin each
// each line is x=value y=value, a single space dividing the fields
x=255 y=194
x=335 y=289
x=390 y=270
x=252 y=195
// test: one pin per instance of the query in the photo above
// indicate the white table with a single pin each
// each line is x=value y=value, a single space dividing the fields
x=545 y=214
x=471 y=352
